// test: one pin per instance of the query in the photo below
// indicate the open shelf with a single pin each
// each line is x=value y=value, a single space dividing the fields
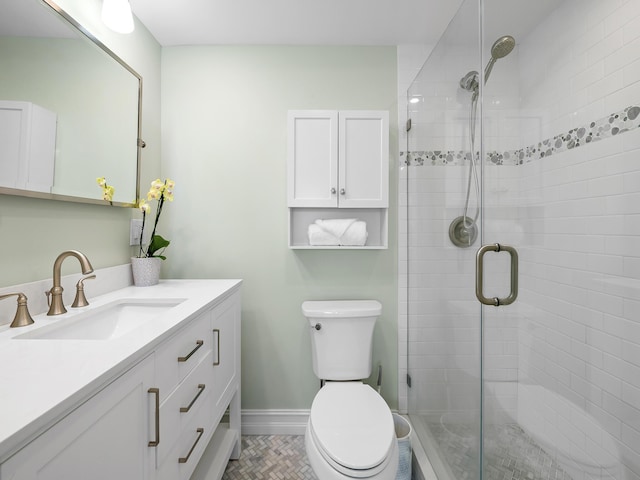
x=300 y=218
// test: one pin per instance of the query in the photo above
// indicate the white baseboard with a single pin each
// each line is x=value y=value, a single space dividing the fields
x=274 y=422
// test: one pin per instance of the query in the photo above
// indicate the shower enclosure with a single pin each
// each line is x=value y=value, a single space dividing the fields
x=525 y=138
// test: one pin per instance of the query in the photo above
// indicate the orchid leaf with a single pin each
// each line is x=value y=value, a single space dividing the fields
x=157 y=243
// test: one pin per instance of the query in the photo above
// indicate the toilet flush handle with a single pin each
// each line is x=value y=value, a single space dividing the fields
x=317 y=326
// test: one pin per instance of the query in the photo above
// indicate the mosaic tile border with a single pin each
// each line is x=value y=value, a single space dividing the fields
x=609 y=126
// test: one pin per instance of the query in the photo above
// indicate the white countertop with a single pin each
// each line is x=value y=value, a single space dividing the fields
x=43 y=380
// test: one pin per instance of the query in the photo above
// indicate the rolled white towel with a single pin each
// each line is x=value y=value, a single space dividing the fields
x=336 y=226
x=339 y=231
x=319 y=236
x=355 y=235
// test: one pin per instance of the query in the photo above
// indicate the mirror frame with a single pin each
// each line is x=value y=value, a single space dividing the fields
x=96 y=201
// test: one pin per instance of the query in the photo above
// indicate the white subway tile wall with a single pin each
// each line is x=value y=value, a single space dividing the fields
x=564 y=361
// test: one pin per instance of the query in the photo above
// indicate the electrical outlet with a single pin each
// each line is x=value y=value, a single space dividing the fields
x=135 y=230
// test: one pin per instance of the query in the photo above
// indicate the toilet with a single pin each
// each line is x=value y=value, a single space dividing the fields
x=350 y=433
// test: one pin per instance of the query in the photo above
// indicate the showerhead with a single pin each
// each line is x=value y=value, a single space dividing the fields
x=500 y=49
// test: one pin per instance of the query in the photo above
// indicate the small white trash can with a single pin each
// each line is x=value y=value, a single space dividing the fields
x=403 y=434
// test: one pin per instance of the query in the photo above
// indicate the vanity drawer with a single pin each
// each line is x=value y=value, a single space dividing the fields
x=182 y=353
x=184 y=403
x=182 y=458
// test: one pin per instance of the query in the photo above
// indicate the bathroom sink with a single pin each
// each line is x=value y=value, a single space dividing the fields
x=104 y=323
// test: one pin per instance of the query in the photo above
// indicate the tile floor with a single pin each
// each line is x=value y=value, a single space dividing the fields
x=510 y=454
x=266 y=457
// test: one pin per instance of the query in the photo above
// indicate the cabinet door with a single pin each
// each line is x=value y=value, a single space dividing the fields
x=12 y=158
x=312 y=176
x=226 y=350
x=364 y=159
x=105 y=438
x=27 y=146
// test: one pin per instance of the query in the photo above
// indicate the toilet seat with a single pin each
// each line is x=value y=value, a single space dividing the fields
x=352 y=428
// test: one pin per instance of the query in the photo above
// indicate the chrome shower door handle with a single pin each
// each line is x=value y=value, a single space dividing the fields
x=513 y=294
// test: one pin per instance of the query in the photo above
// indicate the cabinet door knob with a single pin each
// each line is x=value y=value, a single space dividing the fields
x=333 y=190
x=342 y=192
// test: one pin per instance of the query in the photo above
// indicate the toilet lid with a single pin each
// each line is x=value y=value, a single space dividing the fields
x=352 y=425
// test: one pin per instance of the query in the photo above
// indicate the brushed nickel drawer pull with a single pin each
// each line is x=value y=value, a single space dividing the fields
x=216 y=331
x=186 y=459
x=156 y=392
x=199 y=343
x=201 y=388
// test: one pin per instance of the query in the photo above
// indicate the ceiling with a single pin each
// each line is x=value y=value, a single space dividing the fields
x=295 y=22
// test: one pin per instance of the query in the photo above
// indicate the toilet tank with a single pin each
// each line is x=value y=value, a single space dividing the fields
x=341 y=337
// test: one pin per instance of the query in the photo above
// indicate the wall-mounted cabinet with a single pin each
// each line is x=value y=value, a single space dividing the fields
x=27 y=146
x=338 y=167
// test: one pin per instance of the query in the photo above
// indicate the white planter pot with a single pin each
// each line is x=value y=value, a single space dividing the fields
x=146 y=271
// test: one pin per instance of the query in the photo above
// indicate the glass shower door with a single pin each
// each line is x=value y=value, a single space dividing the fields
x=561 y=365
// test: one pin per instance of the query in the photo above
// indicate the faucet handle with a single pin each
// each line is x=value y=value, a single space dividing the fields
x=22 y=318
x=81 y=299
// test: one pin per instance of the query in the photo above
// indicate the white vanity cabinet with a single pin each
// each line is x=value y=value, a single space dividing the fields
x=338 y=167
x=161 y=418
x=104 y=438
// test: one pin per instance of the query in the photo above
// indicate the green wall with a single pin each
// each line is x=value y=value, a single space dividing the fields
x=224 y=116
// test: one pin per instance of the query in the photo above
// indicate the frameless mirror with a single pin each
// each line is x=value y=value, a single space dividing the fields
x=69 y=108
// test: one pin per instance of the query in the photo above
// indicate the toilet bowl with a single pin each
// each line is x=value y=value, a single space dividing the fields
x=350 y=433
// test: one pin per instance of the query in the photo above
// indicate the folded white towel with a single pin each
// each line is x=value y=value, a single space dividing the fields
x=338 y=231
x=336 y=226
x=356 y=234
x=319 y=236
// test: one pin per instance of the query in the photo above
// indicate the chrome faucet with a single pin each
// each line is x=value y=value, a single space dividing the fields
x=56 y=306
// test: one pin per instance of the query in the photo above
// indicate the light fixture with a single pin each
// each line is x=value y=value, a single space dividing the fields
x=116 y=14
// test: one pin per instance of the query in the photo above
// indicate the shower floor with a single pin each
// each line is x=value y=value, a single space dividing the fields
x=509 y=453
